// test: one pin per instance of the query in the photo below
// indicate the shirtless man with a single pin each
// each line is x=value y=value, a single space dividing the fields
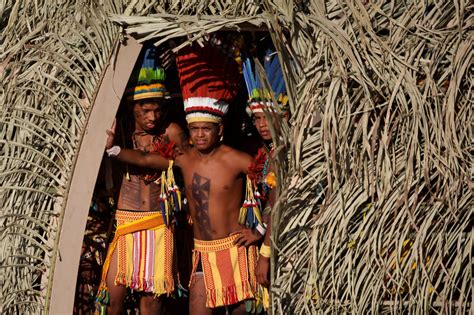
x=214 y=177
x=138 y=198
x=260 y=101
x=263 y=266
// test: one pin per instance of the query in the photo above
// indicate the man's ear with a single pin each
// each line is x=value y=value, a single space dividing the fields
x=221 y=129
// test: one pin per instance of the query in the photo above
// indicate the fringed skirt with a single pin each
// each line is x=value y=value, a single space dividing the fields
x=229 y=271
x=145 y=257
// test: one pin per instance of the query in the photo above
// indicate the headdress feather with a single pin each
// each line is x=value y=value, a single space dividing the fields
x=209 y=81
x=259 y=97
x=147 y=79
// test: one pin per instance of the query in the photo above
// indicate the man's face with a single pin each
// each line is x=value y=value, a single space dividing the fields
x=147 y=113
x=204 y=135
x=262 y=126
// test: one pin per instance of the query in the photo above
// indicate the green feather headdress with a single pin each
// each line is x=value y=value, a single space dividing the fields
x=147 y=80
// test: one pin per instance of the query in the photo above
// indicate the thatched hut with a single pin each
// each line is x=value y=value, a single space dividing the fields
x=375 y=207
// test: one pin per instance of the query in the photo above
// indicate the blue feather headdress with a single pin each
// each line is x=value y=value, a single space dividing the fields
x=259 y=97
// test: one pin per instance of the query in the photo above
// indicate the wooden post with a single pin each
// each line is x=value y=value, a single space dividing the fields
x=65 y=267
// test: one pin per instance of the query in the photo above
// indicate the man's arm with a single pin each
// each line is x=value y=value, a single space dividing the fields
x=134 y=157
x=143 y=159
x=262 y=269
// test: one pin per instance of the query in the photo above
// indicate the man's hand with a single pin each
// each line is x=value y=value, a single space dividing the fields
x=246 y=237
x=110 y=136
x=262 y=270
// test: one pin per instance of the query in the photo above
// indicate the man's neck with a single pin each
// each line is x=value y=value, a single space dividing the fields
x=207 y=154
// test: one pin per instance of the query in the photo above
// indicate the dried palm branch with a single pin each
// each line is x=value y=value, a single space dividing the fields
x=375 y=166
x=52 y=59
x=388 y=170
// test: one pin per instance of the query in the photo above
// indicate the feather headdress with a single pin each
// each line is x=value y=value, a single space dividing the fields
x=209 y=81
x=147 y=80
x=259 y=97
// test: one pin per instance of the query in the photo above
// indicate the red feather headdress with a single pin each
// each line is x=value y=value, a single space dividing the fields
x=209 y=81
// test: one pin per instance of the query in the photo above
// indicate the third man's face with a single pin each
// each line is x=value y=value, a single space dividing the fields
x=204 y=135
x=262 y=126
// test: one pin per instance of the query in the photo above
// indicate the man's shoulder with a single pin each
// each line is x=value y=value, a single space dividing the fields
x=234 y=152
x=174 y=128
x=239 y=159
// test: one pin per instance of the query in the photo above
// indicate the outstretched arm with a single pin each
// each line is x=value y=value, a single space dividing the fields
x=135 y=157
x=143 y=159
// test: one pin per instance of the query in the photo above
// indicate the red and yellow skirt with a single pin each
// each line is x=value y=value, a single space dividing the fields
x=229 y=271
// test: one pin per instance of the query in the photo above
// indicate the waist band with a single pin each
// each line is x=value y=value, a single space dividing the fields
x=127 y=215
x=215 y=245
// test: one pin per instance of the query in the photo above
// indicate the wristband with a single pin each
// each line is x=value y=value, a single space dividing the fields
x=265 y=251
x=262 y=229
x=113 y=151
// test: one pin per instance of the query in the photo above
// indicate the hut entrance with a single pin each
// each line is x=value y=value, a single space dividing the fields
x=240 y=133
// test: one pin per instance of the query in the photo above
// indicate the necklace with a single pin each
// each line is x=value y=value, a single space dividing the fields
x=137 y=145
x=150 y=174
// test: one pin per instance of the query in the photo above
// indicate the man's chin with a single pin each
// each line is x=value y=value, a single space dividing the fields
x=204 y=148
x=201 y=147
x=266 y=136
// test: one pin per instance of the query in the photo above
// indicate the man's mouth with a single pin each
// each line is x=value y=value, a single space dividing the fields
x=150 y=125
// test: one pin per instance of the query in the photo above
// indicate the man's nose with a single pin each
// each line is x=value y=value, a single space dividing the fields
x=152 y=116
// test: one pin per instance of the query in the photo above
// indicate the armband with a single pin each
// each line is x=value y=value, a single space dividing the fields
x=265 y=251
x=113 y=151
x=262 y=229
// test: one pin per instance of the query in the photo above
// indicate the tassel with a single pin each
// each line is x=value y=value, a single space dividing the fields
x=102 y=300
x=173 y=192
x=243 y=213
x=258 y=198
x=258 y=216
x=178 y=193
x=176 y=202
x=250 y=212
x=250 y=306
x=164 y=199
x=249 y=222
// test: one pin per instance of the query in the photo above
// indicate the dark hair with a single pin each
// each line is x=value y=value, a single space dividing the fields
x=158 y=100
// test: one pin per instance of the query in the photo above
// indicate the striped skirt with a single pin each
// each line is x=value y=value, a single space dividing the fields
x=145 y=257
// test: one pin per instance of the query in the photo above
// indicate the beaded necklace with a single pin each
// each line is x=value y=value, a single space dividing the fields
x=144 y=148
x=151 y=175
x=266 y=188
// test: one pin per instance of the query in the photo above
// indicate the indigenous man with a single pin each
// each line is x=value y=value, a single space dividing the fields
x=141 y=254
x=262 y=172
x=223 y=272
